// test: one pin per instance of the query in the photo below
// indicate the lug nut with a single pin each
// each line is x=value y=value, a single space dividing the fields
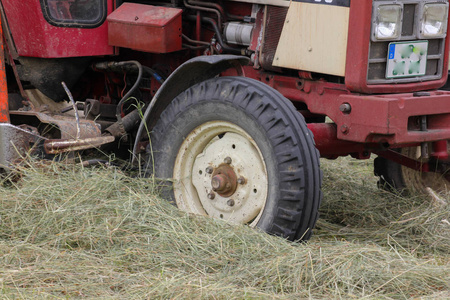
x=211 y=196
x=241 y=180
x=227 y=160
x=230 y=202
x=209 y=169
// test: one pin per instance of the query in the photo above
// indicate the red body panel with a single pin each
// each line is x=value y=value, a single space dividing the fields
x=146 y=28
x=357 y=56
x=386 y=119
x=4 y=111
x=373 y=118
x=35 y=37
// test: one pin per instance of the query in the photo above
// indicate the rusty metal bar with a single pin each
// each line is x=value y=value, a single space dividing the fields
x=77 y=118
x=404 y=160
x=61 y=146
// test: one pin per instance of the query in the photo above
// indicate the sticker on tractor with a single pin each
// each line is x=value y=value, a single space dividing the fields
x=406 y=59
x=345 y=3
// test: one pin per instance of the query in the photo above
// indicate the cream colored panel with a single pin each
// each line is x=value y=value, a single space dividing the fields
x=314 y=38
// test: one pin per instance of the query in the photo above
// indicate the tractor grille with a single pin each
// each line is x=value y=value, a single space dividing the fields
x=378 y=51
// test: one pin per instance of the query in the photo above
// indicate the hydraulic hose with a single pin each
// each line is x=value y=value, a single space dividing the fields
x=133 y=88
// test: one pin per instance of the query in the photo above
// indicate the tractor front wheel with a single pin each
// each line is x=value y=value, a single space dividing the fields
x=233 y=148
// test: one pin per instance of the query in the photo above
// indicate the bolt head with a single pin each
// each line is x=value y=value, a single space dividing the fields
x=227 y=160
x=241 y=180
x=209 y=169
x=211 y=196
x=344 y=129
x=230 y=202
x=345 y=108
x=215 y=183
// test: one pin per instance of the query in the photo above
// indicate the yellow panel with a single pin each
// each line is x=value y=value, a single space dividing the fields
x=314 y=38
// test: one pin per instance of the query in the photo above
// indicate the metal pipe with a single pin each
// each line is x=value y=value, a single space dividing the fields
x=211 y=5
x=75 y=108
x=219 y=17
x=329 y=146
x=440 y=150
x=218 y=34
x=128 y=122
x=69 y=145
x=194 y=41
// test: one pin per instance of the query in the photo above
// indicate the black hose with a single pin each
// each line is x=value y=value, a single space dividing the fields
x=133 y=88
x=155 y=75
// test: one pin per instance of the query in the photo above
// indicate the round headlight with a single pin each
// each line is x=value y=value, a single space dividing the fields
x=433 y=23
x=387 y=22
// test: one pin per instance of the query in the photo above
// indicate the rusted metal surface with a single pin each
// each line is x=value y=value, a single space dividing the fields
x=75 y=109
x=61 y=146
x=144 y=27
x=15 y=142
x=4 y=111
x=66 y=126
x=224 y=180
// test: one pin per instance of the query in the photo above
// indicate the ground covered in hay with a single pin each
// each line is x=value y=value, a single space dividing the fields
x=73 y=232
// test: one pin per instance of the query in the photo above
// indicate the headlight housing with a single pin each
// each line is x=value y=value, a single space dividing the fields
x=387 y=21
x=433 y=20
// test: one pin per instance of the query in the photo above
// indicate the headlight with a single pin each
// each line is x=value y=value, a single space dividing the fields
x=433 y=22
x=387 y=22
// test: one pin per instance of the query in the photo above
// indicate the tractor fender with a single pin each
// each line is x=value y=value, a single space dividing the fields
x=191 y=72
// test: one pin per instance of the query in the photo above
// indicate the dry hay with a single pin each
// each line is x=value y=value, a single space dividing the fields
x=69 y=232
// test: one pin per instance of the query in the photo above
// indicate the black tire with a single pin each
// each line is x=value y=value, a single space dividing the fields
x=405 y=181
x=270 y=124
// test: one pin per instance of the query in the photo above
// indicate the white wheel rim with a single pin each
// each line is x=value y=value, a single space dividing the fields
x=203 y=148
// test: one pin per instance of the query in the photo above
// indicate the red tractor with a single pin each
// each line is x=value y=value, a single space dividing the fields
x=232 y=102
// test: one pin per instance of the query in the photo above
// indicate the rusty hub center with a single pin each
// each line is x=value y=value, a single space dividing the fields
x=224 y=180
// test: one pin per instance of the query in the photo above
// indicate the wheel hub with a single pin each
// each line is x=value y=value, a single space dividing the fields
x=224 y=181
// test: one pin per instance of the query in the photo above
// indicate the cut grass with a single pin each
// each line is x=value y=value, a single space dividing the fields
x=69 y=232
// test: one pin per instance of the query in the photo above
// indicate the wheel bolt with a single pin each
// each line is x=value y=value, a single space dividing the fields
x=211 y=196
x=227 y=160
x=230 y=202
x=241 y=180
x=209 y=169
